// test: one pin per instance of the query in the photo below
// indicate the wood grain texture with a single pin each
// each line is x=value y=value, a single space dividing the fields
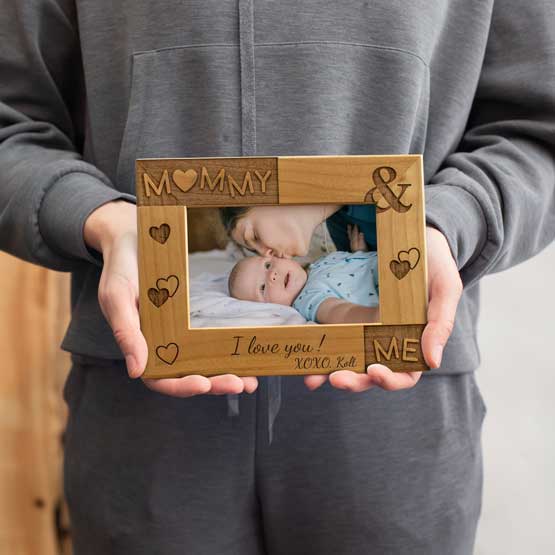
x=392 y=183
x=401 y=232
x=334 y=179
x=262 y=351
x=34 y=313
x=291 y=350
x=163 y=288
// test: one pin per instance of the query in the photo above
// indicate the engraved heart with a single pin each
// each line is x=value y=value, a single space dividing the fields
x=161 y=233
x=185 y=180
x=412 y=256
x=167 y=353
x=158 y=297
x=399 y=269
x=171 y=283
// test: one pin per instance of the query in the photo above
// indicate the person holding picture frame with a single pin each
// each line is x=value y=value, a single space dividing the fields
x=377 y=463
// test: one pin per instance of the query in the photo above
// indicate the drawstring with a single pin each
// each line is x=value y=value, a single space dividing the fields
x=248 y=99
x=248 y=145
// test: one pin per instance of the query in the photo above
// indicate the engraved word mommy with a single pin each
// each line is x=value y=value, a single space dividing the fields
x=223 y=181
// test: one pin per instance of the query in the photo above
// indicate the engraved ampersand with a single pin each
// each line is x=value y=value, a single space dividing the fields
x=382 y=192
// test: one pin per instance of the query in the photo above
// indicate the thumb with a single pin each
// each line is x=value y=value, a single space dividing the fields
x=445 y=293
x=120 y=308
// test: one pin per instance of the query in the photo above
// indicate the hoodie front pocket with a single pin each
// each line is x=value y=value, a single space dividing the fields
x=184 y=102
x=309 y=98
x=340 y=98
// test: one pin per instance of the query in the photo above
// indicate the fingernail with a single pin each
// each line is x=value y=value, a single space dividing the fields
x=131 y=365
x=437 y=355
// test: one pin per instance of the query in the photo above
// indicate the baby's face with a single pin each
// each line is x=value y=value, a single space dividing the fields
x=269 y=279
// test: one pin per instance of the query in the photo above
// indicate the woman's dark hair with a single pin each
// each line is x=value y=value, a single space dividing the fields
x=230 y=216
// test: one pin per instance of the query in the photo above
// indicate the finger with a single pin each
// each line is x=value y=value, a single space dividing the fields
x=445 y=293
x=376 y=375
x=352 y=381
x=251 y=384
x=382 y=376
x=186 y=386
x=227 y=383
x=314 y=381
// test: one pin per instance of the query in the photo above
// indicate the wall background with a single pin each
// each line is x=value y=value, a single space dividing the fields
x=517 y=380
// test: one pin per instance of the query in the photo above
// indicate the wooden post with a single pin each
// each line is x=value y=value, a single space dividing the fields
x=34 y=311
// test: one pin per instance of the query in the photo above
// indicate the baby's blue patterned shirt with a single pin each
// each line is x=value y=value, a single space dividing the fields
x=349 y=276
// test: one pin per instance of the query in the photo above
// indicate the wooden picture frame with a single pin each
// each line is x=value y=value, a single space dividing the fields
x=167 y=186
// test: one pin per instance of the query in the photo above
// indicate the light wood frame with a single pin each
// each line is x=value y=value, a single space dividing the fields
x=166 y=186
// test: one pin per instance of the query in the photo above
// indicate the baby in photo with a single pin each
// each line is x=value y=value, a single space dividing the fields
x=340 y=287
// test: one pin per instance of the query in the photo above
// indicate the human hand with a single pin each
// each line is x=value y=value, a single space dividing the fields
x=112 y=230
x=356 y=238
x=444 y=290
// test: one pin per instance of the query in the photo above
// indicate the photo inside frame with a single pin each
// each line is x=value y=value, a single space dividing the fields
x=309 y=269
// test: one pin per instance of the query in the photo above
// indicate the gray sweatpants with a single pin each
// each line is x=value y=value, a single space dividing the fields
x=376 y=472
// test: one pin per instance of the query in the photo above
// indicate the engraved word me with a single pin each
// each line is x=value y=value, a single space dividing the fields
x=393 y=350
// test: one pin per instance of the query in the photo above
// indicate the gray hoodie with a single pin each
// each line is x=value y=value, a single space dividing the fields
x=86 y=87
